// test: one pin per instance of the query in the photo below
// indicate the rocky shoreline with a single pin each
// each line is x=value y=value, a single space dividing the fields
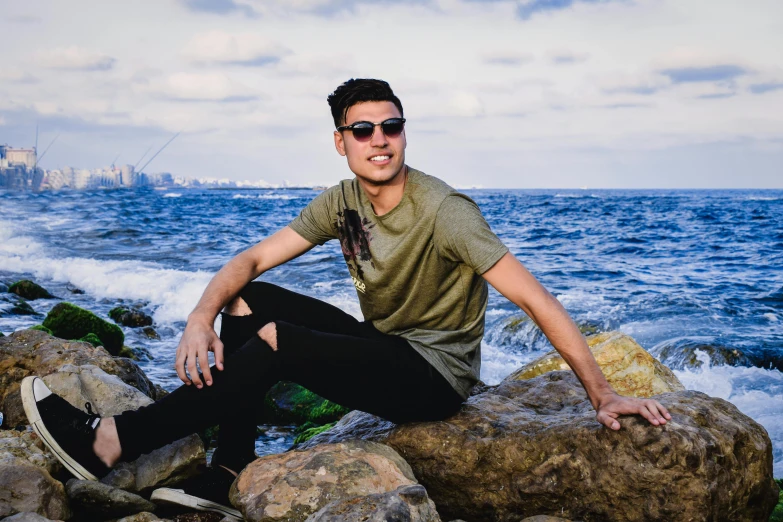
x=526 y=449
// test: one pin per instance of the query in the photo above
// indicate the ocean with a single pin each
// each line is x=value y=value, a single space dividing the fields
x=681 y=271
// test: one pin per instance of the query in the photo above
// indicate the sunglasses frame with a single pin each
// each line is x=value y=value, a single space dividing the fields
x=352 y=126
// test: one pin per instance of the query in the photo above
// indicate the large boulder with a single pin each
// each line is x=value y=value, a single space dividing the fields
x=29 y=290
x=533 y=447
x=26 y=483
x=629 y=368
x=406 y=503
x=69 y=321
x=291 y=486
x=32 y=352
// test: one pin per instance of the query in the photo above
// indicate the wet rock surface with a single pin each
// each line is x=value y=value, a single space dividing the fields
x=406 y=503
x=68 y=321
x=130 y=317
x=294 y=485
x=684 y=353
x=29 y=290
x=525 y=447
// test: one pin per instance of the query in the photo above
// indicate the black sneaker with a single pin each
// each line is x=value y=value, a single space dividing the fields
x=206 y=492
x=67 y=431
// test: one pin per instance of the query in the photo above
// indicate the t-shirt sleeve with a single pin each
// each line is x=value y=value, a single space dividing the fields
x=315 y=222
x=462 y=235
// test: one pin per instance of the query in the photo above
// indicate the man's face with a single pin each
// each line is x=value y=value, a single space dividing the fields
x=380 y=159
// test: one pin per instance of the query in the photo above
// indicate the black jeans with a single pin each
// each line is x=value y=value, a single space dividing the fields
x=320 y=347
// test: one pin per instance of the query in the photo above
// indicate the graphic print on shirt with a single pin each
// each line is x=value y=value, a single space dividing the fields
x=355 y=240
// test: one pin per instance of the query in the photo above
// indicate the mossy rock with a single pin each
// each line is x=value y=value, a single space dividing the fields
x=22 y=307
x=68 y=321
x=311 y=432
x=29 y=290
x=92 y=339
x=777 y=513
x=288 y=402
x=41 y=327
x=136 y=354
x=128 y=317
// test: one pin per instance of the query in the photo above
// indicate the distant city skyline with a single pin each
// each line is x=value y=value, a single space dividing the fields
x=497 y=93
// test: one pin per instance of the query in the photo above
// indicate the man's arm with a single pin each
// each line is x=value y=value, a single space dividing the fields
x=199 y=336
x=511 y=279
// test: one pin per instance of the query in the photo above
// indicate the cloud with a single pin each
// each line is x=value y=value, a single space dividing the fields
x=75 y=59
x=220 y=7
x=25 y=19
x=466 y=104
x=714 y=73
x=566 y=57
x=199 y=87
x=761 y=88
x=245 y=49
x=15 y=75
x=527 y=8
x=626 y=106
x=716 y=95
x=510 y=58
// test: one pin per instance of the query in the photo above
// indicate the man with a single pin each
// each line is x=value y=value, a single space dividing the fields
x=420 y=256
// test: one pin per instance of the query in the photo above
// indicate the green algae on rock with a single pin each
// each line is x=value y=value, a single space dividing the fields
x=69 y=321
x=289 y=402
x=29 y=290
x=41 y=328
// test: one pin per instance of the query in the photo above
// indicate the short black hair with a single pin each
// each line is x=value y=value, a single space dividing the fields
x=358 y=90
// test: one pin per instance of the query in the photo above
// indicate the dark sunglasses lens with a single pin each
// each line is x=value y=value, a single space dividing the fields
x=392 y=128
x=362 y=131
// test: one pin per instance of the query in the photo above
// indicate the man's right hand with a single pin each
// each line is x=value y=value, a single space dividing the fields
x=197 y=340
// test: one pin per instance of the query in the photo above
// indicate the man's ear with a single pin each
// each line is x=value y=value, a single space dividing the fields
x=339 y=143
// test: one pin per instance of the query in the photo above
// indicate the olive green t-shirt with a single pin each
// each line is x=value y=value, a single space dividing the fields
x=417 y=269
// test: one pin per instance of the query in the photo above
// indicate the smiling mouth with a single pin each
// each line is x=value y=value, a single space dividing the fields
x=380 y=159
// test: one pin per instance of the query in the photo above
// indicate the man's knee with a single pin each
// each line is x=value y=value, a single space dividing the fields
x=268 y=334
x=237 y=306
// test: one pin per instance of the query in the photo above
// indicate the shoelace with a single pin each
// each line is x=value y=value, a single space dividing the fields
x=87 y=426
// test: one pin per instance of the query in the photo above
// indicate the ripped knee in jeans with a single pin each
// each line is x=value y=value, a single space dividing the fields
x=268 y=334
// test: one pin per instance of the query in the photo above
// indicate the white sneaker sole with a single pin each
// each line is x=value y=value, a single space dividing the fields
x=180 y=498
x=28 y=391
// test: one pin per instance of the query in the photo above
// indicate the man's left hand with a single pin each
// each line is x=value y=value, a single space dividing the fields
x=615 y=405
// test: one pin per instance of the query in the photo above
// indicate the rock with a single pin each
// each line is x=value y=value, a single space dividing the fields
x=681 y=353
x=74 y=290
x=408 y=503
x=201 y=516
x=310 y=431
x=144 y=516
x=627 y=366
x=533 y=447
x=89 y=338
x=31 y=352
x=41 y=328
x=289 y=403
x=28 y=517
x=68 y=321
x=99 y=499
x=29 y=290
x=130 y=373
x=107 y=394
x=150 y=333
x=166 y=466
x=137 y=354
x=127 y=317
x=293 y=485
x=544 y=518
x=26 y=483
x=22 y=307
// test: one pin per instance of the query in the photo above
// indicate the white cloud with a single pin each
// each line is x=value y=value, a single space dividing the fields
x=212 y=86
x=506 y=57
x=221 y=47
x=75 y=58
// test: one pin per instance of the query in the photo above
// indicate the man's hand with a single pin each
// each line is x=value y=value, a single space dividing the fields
x=613 y=405
x=198 y=338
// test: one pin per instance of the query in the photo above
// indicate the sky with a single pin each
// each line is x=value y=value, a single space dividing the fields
x=497 y=93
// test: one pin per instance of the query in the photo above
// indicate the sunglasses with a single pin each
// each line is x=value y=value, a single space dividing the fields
x=364 y=130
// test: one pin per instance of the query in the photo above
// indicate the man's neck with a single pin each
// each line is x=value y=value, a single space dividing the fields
x=384 y=198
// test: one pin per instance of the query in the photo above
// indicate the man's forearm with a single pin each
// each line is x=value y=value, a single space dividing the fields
x=565 y=336
x=224 y=287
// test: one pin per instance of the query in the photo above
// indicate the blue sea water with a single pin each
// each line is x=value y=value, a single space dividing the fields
x=668 y=267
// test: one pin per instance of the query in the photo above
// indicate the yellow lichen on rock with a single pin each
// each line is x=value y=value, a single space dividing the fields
x=628 y=367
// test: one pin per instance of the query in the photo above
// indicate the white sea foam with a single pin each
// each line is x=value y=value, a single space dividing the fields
x=172 y=195
x=496 y=363
x=269 y=196
x=757 y=392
